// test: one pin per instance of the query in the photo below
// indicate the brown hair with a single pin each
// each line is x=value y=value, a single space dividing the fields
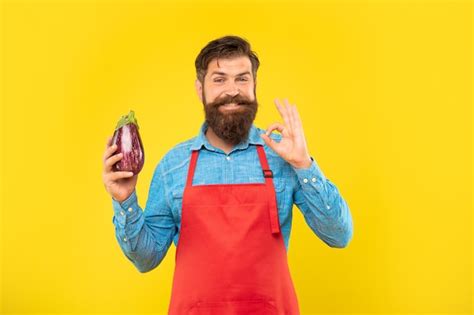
x=225 y=47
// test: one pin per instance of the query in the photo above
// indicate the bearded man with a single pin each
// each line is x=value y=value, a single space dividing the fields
x=225 y=197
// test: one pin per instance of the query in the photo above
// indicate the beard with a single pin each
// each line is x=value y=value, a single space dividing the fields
x=233 y=125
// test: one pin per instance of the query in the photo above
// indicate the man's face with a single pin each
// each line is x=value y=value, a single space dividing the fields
x=229 y=98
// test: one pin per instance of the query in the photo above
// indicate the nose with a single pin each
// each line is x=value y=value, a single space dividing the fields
x=232 y=90
x=232 y=93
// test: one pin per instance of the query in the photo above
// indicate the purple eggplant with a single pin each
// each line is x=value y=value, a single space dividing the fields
x=128 y=141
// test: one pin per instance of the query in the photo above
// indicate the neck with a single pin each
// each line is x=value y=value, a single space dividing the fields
x=217 y=142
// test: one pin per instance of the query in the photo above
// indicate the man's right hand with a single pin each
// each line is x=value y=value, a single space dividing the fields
x=119 y=185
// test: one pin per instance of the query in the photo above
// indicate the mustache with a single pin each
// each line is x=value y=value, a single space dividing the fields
x=237 y=99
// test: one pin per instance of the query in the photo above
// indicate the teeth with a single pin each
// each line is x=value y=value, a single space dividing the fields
x=231 y=107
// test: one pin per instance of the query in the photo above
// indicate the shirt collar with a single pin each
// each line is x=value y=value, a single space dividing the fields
x=201 y=140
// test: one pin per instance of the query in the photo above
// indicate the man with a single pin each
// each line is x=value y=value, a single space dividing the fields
x=225 y=197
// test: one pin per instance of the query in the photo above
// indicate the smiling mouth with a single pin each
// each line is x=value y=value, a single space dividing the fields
x=230 y=106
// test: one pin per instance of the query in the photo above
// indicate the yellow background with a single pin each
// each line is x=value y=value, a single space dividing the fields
x=385 y=93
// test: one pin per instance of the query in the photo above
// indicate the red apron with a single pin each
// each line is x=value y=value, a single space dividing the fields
x=231 y=257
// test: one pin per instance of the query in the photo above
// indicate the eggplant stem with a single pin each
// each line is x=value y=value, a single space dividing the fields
x=128 y=119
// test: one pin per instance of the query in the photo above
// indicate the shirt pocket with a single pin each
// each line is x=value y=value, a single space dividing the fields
x=279 y=184
x=177 y=203
x=280 y=192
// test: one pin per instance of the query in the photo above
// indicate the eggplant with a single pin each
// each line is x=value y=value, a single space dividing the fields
x=128 y=141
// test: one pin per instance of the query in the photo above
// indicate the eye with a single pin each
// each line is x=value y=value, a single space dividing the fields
x=218 y=80
x=243 y=79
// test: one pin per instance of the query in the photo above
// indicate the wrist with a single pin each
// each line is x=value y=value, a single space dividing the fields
x=303 y=164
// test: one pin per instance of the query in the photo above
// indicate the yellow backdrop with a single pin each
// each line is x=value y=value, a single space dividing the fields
x=385 y=93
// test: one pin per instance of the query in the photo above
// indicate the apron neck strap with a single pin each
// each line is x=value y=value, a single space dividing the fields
x=268 y=175
x=267 y=172
x=192 y=167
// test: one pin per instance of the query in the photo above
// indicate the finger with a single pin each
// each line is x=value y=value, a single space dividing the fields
x=109 y=142
x=277 y=126
x=283 y=112
x=290 y=114
x=118 y=175
x=269 y=141
x=110 y=150
x=298 y=122
x=111 y=161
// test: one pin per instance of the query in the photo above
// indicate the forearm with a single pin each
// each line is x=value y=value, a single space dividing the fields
x=324 y=208
x=134 y=237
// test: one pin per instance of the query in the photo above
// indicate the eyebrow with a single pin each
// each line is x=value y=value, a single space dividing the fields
x=223 y=73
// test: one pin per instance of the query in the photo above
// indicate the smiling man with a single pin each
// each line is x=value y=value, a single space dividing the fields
x=229 y=112
x=225 y=197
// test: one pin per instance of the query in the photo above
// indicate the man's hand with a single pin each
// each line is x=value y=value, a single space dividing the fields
x=292 y=147
x=119 y=185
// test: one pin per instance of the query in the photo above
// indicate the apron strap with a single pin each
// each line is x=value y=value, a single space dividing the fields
x=192 y=167
x=268 y=175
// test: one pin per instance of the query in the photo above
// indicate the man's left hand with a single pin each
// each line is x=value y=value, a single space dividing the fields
x=292 y=147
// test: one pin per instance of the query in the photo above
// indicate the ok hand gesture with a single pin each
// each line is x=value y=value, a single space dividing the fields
x=292 y=147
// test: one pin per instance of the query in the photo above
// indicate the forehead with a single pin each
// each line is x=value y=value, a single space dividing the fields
x=230 y=66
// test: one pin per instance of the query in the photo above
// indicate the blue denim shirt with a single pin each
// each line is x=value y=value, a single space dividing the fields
x=145 y=236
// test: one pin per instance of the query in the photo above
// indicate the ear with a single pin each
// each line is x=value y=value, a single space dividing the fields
x=198 y=86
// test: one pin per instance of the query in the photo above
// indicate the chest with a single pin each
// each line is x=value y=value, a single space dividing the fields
x=238 y=167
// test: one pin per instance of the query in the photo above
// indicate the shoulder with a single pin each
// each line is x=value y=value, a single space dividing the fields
x=180 y=149
x=176 y=157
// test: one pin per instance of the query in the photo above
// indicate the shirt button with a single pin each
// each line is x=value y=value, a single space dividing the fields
x=313 y=180
x=124 y=239
x=122 y=213
x=130 y=209
x=228 y=158
x=328 y=207
x=305 y=180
